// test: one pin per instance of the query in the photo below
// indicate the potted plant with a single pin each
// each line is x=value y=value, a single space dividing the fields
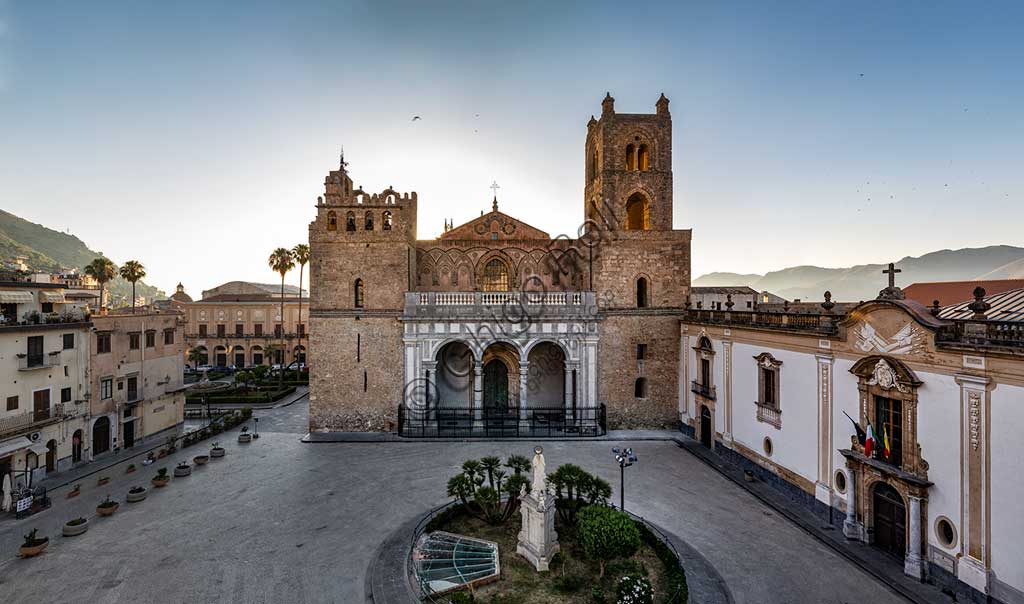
x=102 y=481
x=130 y=468
x=33 y=545
x=200 y=460
x=182 y=469
x=171 y=447
x=75 y=527
x=75 y=491
x=216 y=450
x=244 y=436
x=107 y=507
x=137 y=494
x=161 y=479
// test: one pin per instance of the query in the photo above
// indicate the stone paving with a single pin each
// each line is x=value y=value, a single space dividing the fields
x=283 y=521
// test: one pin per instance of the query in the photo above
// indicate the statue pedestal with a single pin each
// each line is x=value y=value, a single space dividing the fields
x=538 y=541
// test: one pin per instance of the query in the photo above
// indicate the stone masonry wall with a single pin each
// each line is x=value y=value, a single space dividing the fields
x=620 y=334
x=352 y=350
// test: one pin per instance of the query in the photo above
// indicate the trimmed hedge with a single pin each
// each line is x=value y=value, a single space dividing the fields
x=252 y=397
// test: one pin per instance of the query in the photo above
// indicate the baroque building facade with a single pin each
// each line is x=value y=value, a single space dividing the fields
x=782 y=393
x=496 y=327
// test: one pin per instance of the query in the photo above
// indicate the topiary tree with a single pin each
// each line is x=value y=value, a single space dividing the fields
x=606 y=534
x=575 y=488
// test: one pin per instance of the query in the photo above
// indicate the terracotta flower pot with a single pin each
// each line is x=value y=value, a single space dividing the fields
x=245 y=437
x=107 y=511
x=34 y=550
x=129 y=470
x=200 y=460
x=73 y=530
x=74 y=493
x=160 y=482
x=102 y=481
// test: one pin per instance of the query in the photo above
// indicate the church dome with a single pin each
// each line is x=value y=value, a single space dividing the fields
x=179 y=295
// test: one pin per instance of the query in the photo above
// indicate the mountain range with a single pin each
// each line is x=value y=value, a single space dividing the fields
x=50 y=250
x=862 y=282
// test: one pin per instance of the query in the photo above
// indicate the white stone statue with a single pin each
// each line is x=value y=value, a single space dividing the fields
x=538 y=541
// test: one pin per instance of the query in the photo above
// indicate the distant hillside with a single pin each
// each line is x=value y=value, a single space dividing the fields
x=50 y=250
x=862 y=282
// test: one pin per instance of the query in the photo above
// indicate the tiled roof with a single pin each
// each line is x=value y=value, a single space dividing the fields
x=723 y=289
x=1006 y=306
x=954 y=292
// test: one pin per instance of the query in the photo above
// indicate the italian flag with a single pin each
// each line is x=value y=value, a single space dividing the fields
x=869 y=441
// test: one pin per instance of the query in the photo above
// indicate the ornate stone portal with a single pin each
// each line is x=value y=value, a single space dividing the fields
x=538 y=541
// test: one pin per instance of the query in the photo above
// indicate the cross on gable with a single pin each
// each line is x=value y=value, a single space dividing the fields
x=891 y=271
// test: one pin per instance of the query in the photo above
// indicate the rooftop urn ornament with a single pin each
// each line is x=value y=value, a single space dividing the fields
x=935 y=308
x=728 y=302
x=979 y=306
x=891 y=292
x=538 y=541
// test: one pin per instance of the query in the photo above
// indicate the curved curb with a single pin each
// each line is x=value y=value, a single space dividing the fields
x=388 y=580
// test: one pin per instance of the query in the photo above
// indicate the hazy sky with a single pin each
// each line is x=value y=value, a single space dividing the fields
x=195 y=136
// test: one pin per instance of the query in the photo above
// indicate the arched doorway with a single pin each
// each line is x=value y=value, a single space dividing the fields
x=220 y=356
x=101 y=436
x=706 y=430
x=546 y=383
x=496 y=385
x=238 y=356
x=51 y=456
x=257 y=355
x=890 y=520
x=76 y=447
x=452 y=384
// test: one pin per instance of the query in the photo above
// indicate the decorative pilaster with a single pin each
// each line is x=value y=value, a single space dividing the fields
x=429 y=385
x=684 y=376
x=914 y=564
x=822 y=490
x=972 y=567
x=568 y=388
x=727 y=391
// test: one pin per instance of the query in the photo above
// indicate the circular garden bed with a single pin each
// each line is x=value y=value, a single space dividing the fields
x=623 y=561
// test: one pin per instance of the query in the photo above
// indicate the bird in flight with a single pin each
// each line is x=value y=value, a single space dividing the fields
x=416 y=118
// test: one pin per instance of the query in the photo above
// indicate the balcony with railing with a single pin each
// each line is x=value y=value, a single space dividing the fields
x=823 y=324
x=705 y=390
x=29 y=421
x=510 y=304
x=29 y=362
x=769 y=414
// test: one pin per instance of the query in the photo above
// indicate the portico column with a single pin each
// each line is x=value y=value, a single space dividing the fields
x=851 y=528
x=429 y=381
x=524 y=376
x=478 y=391
x=568 y=389
x=913 y=566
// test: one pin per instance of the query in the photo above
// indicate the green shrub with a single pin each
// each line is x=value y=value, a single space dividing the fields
x=568 y=584
x=575 y=488
x=597 y=595
x=606 y=534
x=635 y=590
x=486 y=490
x=462 y=597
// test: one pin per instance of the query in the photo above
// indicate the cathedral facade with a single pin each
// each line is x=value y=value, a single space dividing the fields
x=496 y=327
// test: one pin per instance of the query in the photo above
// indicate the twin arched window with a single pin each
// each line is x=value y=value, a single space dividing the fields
x=386 y=220
x=350 y=222
x=368 y=221
x=638 y=157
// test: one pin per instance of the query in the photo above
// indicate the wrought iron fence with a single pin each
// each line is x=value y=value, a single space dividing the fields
x=501 y=423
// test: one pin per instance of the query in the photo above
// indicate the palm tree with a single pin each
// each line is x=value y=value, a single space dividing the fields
x=301 y=254
x=131 y=272
x=102 y=270
x=281 y=261
x=195 y=355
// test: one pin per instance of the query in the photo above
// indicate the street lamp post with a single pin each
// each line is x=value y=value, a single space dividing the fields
x=626 y=458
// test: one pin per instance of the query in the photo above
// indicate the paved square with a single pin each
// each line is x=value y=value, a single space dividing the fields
x=286 y=522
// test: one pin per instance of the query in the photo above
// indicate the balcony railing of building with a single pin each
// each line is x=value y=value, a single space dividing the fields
x=512 y=303
x=1007 y=334
x=769 y=414
x=28 y=421
x=501 y=423
x=702 y=389
x=825 y=324
x=28 y=362
x=244 y=336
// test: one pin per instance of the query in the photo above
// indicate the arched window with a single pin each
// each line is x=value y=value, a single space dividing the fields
x=636 y=213
x=640 y=388
x=368 y=221
x=386 y=220
x=495 y=276
x=643 y=158
x=593 y=166
x=332 y=221
x=630 y=157
x=350 y=221
x=642 y=295
x=358 y=290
